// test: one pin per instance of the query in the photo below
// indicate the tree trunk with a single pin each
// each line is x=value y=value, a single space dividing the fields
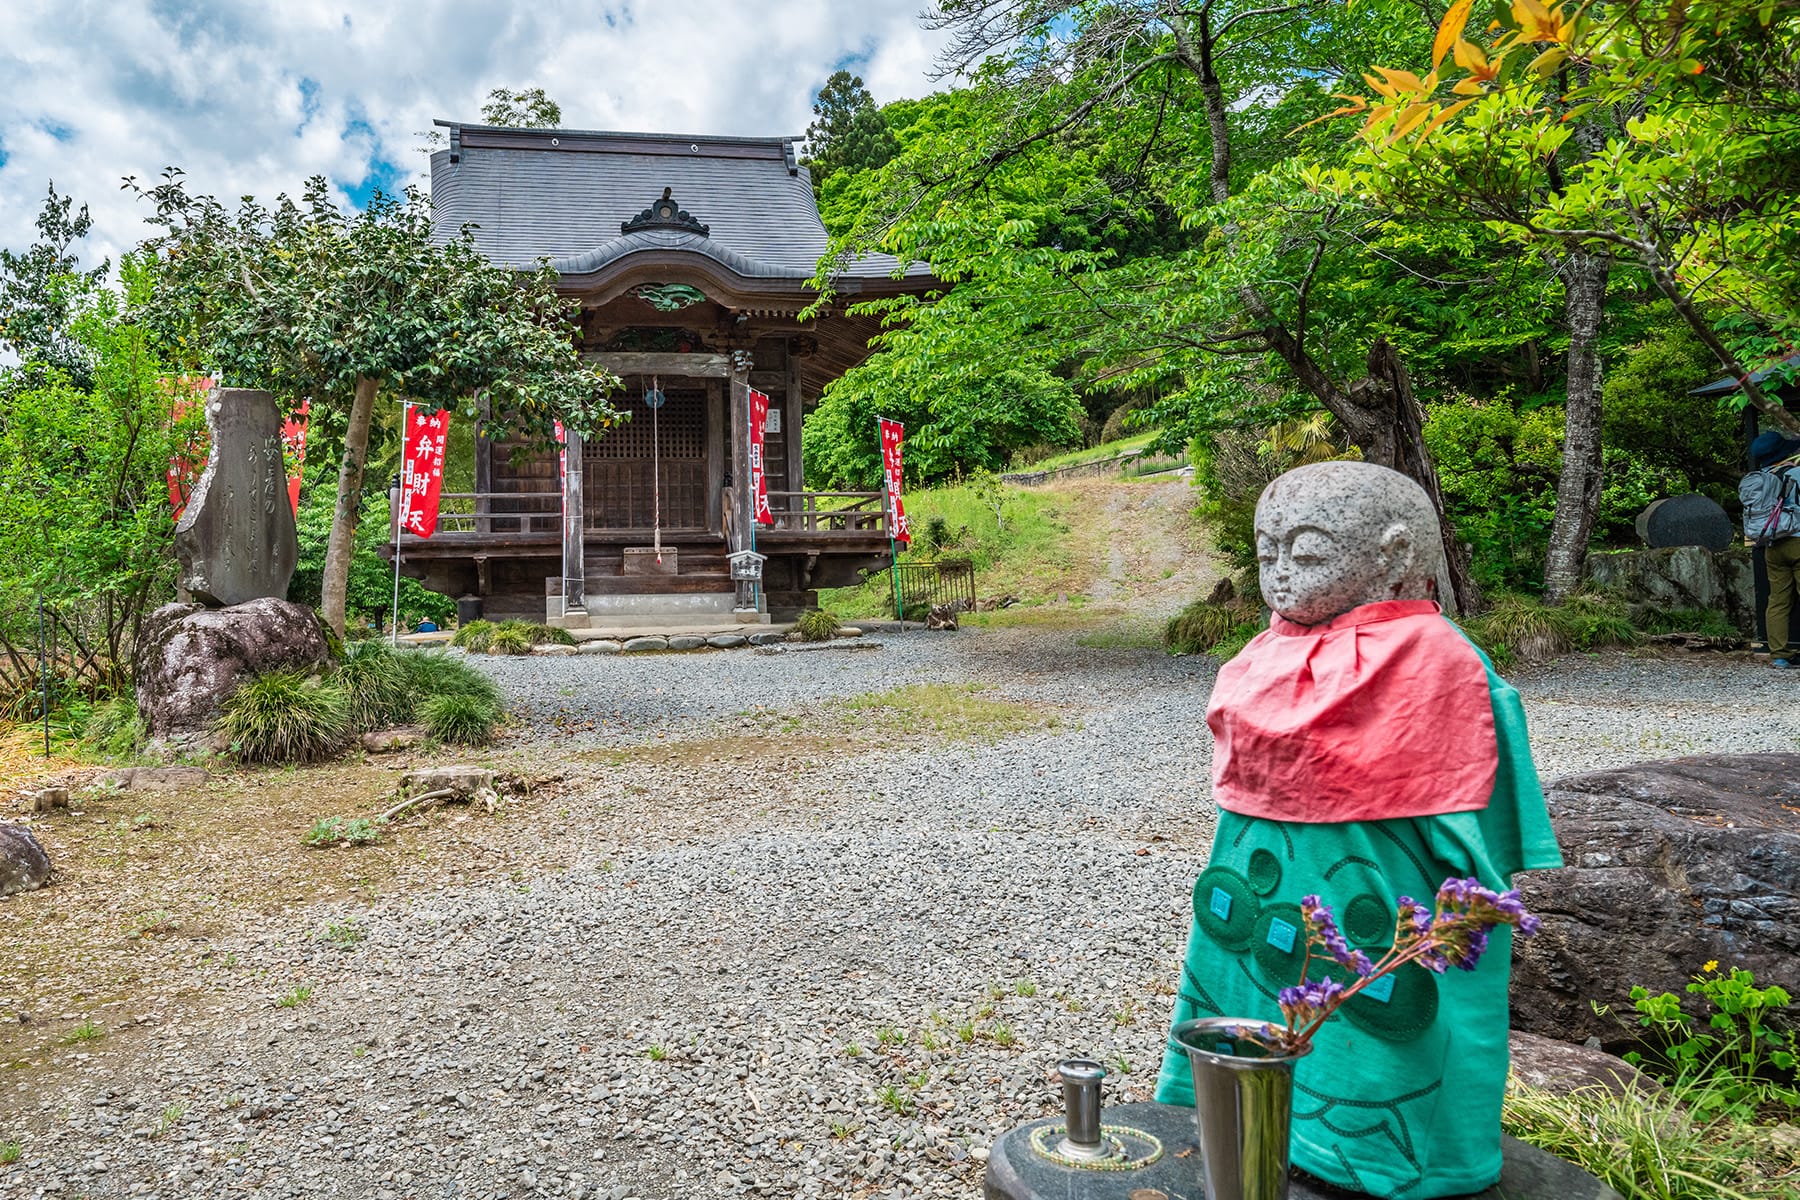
x=1379 y=412
x=1578 y=485
x=1671 y=288
x=1384 y=421
x=340 y=549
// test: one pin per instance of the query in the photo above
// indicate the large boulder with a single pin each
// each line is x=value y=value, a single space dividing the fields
x=190 y=658
x=1670 y=865
x=24 y=867
x=235 y=540
x=1682 y=577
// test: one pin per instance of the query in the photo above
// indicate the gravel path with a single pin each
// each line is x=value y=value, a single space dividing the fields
x=843 y=983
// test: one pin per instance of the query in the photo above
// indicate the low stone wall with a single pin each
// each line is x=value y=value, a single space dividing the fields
x=1682 y=577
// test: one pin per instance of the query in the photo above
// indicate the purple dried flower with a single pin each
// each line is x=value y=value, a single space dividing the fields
x=1529 y=925
x=1311 y=998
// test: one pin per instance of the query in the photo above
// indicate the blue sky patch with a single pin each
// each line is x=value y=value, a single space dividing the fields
x=309 y=103
x=57 y=130
x=2 y=152
x=384 y=175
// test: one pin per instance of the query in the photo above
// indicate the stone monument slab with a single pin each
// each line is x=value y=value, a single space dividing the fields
x=236 y=542
x=1690 y=520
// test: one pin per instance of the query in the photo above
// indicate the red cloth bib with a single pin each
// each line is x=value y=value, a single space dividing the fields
x=1382 y=712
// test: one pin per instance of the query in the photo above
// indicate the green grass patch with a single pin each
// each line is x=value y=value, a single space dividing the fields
x=949 y=710
x=374 y=686
x=460 y=720
x=817 y=625
x=1222 y=629
x=1518 y=628
x=475 y=636
x=1093 y=454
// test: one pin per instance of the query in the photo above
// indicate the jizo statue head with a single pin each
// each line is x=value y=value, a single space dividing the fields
x=1332 y=536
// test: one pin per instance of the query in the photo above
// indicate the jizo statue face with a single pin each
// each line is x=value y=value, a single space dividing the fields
x=1333 y=536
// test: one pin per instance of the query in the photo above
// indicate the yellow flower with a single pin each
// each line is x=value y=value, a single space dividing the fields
x=1712 y=964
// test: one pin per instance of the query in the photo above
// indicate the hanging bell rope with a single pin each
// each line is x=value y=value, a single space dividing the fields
x=655 y=400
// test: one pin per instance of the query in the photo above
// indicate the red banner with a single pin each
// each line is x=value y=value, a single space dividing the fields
x=189 y=459
x=422 y=469
x=759 y=478
x=293 y=450
x=893 y=434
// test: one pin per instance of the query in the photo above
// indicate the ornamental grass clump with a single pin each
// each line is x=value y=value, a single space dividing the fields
x=1208 y=627
x=434 y=673
x=510 y=641
x=1452 y=933
x=474 y=637
x=285 y=717
x=374 y=685
x=817 y=626
x=460 y=720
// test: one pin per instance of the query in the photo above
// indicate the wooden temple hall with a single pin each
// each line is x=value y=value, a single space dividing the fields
x=690 y=256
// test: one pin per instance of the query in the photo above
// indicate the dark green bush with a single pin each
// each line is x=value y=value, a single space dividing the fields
x=460 y=720
x=285 y=717
x=374 y=685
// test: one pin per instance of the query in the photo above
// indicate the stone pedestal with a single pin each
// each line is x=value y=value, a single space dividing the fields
x=1016 y=1171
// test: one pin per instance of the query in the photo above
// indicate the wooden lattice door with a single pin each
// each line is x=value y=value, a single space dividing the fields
x=618 y=478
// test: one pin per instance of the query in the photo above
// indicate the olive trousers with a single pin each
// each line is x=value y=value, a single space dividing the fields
x=1783 y=562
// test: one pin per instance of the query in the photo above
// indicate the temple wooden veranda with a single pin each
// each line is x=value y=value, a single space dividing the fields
x=691 y=258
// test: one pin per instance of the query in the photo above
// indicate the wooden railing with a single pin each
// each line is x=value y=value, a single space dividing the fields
x=466 y=515
x=859 y=514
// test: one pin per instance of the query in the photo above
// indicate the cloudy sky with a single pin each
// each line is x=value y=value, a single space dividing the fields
x=251 y=97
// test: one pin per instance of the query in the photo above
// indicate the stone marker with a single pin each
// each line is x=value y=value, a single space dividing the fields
x=1017 y=1171
x=686 y=641
x=190 y=658
x=235 y=541
x=1671 y=865
x=1690 y=520
x=42 y=800
x=726 y=641
x=637 y=644
x=24 y=867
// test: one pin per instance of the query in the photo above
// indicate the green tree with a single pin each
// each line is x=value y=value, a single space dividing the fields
x=307 y=301
x=84 y=513
x=848 y=132
x=41 y=287
x=528 y=108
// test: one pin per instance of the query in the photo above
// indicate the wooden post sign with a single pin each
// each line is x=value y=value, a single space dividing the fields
x=747 y=566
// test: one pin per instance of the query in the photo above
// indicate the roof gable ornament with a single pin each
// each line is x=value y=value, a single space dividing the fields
x=665 y=214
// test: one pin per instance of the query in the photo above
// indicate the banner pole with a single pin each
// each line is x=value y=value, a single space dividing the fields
x=399 y=526
x=44 y=674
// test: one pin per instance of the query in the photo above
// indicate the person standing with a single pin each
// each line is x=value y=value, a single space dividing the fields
x=1771 y=498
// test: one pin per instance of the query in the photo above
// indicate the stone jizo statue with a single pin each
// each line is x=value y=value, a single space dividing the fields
x=1365 y=750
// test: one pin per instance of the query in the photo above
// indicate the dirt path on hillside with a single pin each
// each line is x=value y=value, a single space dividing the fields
x=1151 y=556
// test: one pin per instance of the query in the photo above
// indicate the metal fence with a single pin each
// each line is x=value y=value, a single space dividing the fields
x=925 y=585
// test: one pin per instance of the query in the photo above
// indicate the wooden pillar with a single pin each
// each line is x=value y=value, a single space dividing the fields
x=574 y=529
x=742 y=503
x=484 y=472
x=718 y=452
x=792 y=405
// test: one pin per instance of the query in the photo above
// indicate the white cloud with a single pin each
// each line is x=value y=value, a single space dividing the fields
x=251 y=97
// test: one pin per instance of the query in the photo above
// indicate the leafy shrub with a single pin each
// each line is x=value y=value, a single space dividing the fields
x=510 y=641
x=1205 y=627
x=1737 y=1065
x=1706 y=622
x=460 y=720
x=474 y=636
x=374 y=686
x=285 y=717
x=817 y=626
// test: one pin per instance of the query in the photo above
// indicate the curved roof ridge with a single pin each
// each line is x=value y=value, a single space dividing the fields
x=616 y=248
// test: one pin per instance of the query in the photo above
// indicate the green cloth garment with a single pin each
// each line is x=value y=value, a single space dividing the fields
x=1401 y=1094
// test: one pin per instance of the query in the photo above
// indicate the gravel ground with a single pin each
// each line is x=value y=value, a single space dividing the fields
x=844 y=983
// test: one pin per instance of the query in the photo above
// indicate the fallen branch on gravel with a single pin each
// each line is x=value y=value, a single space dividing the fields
x=487 y=797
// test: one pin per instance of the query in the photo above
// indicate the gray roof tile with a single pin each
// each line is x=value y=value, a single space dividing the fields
x=562 y=195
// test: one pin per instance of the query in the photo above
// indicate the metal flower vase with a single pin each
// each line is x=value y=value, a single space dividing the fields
x=1243 y=1104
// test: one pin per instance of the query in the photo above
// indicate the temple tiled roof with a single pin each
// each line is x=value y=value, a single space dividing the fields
x=564 y=194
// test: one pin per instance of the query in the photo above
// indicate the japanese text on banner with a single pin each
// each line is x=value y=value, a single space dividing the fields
x=422 y=469
x=759 y=479
x=893 y=435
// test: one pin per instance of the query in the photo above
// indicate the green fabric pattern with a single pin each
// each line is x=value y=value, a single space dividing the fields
x=1401 y=1094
